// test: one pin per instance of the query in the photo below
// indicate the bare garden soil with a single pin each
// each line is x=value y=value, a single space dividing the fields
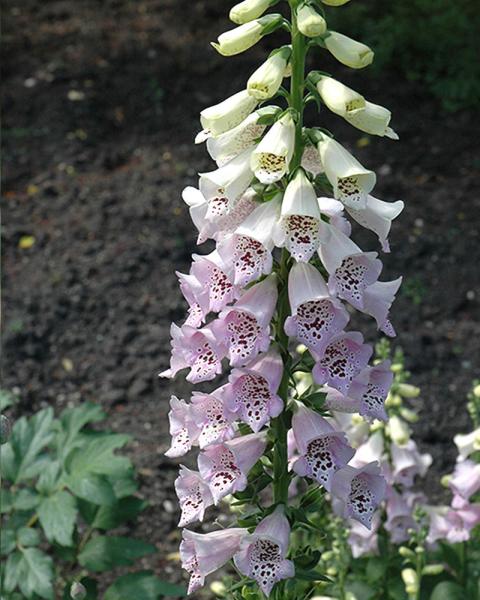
x=100 y=108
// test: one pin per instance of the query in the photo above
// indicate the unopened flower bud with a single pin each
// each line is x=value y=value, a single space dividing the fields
x=476 y=391
x=332 y=571
x=406 y=552
x=218 y=588
x=399 y=431
x=410 y=579
x=433 y=569
x=408 y=391
x=347 y=51
x=267 y=79
x=301 y=349
x=396 y=368
x=467 y=443
x=335 y=2
x=445 y=481
x=248 y=10
x=326 y=556
x=409 y=415
x=245 y=36
x=309 y=22
x=77 y=591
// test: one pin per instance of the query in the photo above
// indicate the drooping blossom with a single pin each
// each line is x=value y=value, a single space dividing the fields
x=408 y=462
x=249 y=249
x=373 y=119
x=399 y=516
x=267 y=79
x=204 y=553
x=349 y=52
x=225 y=466
x=372 y=450
x=245 y=36
x=454 y=523
x=309 y=21
x=194 y=496
x=251 y=391
x=246 y=11
x=358 y=492
x=299 y=226
x=183 y=429
x=244 y=328
x=227 y=114
x=465 y=480
x=213 y=419
x=262 y=554
x=338 y=97
x=271 y=158
x=322 y=450
x=467 y=443
x=200 y=349
x=361 y=540
x=316 y=315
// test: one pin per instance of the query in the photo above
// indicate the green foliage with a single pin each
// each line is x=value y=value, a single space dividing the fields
x=64 y=484
x=430 y=41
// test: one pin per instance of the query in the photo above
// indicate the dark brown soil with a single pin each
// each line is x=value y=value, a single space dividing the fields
x=100 y=107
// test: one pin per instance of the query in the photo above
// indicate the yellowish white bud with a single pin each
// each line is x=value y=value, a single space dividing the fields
x=406 y=552
x=445 y=481
x=218 y=588
x=433 y=569
x=339 y=98
x=309 y=22
x=227 y=114
x=246 y=11
x=245 y=36
x=396 y=368
x=476 y=391
x=335 y=2
x=399 y=431
x=347 y=51
x=332 y=571
x=267 y=79
x=408 y=391
x=408 y=414
x=410 y=579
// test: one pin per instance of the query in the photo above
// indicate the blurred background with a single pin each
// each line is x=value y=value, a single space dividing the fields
x=100 y=109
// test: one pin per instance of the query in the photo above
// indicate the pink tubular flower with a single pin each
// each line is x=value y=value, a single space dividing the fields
x=408 y=462
x=358 y=491
x=465 y=480
x=299 y=226
x=245 y=327
x=200 y=349
x=225 y=466
x=252 y=390
x=194 y=496
x=213 y=419
x=316 y=316
x=322 y=449
x=453 y=524
x=262 y=553
x=399 y=516
x=183 y=430
x=345 y=357
x=249 y=248
x=204 y=553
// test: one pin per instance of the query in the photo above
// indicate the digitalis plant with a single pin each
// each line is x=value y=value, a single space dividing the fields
x=283 y=271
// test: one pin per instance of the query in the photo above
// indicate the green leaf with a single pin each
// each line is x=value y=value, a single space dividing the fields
x=126 y=509
x=7 y=399
x=57 y=515
x=96 y=456
x=72 y=421
x=376 y=567
x=102 y=553
x=13 y=571
x=47 y=482
x=124 y=486
x=25 y=499
x=451 y=556
x=37 y=574
x=311 y=575
x=91 y=487
x=142 y=586
x=448 y=590
x=7 y=540
x=28 y=536
x=6 y=501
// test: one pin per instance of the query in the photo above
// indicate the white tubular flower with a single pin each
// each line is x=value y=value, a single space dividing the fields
x=347 y=51
x=266 y=80
x=226 y=115
x=246 y=11
x=271 y=157
x=310 y=23
x=245 y=36
x=339 y=98
x=233 y=142
x=373 y=119
x=350 y=180
x=335 y=2
x=467 y=443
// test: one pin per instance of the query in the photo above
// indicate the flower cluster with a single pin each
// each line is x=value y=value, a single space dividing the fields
x=284 y=271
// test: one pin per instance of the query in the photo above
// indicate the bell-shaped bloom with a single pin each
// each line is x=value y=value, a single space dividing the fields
x=453 y=524
x=345 y=357
x=248 y=250
x=309 y=22
x=245 y=36
x=230 y=144
x=299 y=226
x=223 y=187
x=370 y=451
x=399 y=516
x=225 y=466
x=183 y=430
x=408 y=462
x=339 y=98
x=371 y=387
x=267 y=79
x=373 y=119
x=272 y=156
x=465 y=480
x=262 y=554
x=194 y=496
x=467 y=443
x=363 y=541
x=252 y=390
x=200 y=349
x=246 y=11
x=311 y=160
x=227 y=114
x=359 y=491
x=356 y=429
x=316 y=316
x=377 y=216
x=245 y=327
x=377 y=301
x=213 y=419
x=349 y=52
x=351 y=182
x=204 y=553
x=333 y=209
x=322 y=450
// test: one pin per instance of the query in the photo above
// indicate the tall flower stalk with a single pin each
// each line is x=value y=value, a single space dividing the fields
x=283 y=271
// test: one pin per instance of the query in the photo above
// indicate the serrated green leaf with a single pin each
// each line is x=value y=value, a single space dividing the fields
x=91 y=487
x=124 y=486
x=102 y=553
x=13 y=571
x=28 y=536
x=7 y=540
x=142 y=586
x=448 y=590
x=25 y=499
x=48 y=480
x=37 y=574
x=72 y=421
x=57 y=515
x=97 y=456
x=375 y=570
x=125 y=509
